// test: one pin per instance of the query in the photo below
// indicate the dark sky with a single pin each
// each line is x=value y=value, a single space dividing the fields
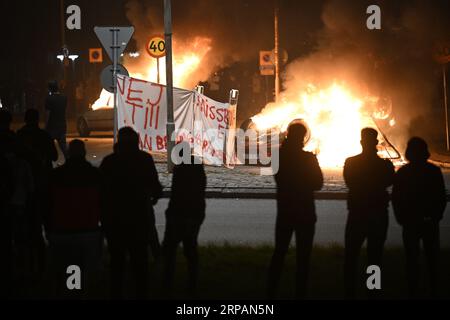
x=31 y=29
x=30 y=32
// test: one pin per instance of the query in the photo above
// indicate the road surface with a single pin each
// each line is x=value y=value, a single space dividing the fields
x=251 y=221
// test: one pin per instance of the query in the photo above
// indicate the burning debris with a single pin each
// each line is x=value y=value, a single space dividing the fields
x=335 y=115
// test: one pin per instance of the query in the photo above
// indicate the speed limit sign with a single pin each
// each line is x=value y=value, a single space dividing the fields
x=156 y=47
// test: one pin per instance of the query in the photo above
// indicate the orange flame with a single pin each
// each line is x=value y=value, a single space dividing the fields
x=334 y=115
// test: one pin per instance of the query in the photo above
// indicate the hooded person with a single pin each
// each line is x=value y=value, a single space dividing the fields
x=299 y=175
x=419 y=200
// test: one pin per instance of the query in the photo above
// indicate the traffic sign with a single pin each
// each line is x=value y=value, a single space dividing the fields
x=156 y=47
x=266 y=66
x=95 y=55
x=106 y=77
x=114 y=40
x=106 y=37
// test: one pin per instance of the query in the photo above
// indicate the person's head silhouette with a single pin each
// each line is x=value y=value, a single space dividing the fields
x=53 y=86
x=128 y=140
x=417 y=150
x=369 y=140
x=31 y=117
x=77 y=149
x=296 y=133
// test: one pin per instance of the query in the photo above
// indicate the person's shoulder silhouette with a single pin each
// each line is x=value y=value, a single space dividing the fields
x=131 y=168
x=368 y=176
x=188 y=184
x=298 y=176
x=367 y=167
x=298 y=169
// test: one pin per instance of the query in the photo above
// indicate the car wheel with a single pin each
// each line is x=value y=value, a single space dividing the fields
x=83 y=128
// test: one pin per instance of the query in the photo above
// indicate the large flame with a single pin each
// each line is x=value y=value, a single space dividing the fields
x=334 y=115
x=186 y=62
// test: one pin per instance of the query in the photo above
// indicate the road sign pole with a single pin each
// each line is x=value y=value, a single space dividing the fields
x=277 y=60
x=444 y=79
x=170 y=128
x=115 y=46
x=157 y=70
x=114 y=40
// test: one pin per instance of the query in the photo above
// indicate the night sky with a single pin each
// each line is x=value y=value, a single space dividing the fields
x=31 y=36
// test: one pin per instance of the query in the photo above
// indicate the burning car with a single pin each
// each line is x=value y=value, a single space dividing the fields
x=335 y=116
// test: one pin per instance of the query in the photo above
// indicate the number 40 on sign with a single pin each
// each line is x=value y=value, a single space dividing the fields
x=156 y=47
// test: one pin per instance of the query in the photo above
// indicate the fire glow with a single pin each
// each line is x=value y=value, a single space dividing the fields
x=334 y=115
x=187 y=59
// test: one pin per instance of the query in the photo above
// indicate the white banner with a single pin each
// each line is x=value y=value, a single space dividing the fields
x=208 y=125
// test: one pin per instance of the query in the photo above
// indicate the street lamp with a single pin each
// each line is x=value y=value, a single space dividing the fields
x=72 y=57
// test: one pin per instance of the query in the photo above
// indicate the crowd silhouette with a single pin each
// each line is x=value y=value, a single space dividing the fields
x=78 y=206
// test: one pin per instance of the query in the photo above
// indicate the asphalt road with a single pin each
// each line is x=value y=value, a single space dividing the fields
x=248 y=221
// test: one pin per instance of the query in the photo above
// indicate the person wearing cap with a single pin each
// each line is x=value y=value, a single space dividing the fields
x=367 y=177
x=419 y=200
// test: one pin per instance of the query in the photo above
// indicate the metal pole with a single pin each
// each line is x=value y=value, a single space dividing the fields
x=170 y=128
x=444 y=79
x=277 y=58
x=115 y=46
x=63 y=43
x=230 y=133
x=157 y=70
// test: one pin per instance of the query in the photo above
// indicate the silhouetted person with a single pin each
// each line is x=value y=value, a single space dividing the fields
x=184 y=216
x=37 y=141
x=56 y=104
x=39 y=150
x=299 y=175
x=22 y=193
x=6 y=191
x=419 y=200
x=155 y=246
x=131 y=187
x=73 y=221
x=367 y=177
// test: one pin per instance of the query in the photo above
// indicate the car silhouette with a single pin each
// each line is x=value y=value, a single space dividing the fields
x=101 y=119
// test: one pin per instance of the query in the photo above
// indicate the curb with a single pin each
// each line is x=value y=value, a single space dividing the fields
x=258 y=194
x=442 y=164
x=268 y=195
